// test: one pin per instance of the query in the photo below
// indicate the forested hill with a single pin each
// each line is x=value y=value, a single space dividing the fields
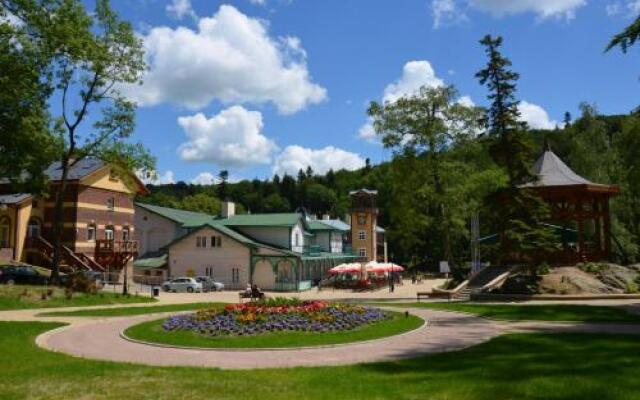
x=601 y=148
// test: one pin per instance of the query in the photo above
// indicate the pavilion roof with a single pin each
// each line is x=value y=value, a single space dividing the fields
x=553 y=172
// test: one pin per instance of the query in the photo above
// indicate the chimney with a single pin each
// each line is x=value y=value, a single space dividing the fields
x=326 y=217
x=228 y=209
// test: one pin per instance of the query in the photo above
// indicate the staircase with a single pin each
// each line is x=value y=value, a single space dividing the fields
x=486 y=275
x=73 y=261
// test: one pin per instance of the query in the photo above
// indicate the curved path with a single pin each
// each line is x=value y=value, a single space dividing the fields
x=101 y=340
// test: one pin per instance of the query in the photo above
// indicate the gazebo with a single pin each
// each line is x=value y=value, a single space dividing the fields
x=579 y=205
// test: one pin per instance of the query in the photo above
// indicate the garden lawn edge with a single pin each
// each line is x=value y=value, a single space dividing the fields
x=124 y=336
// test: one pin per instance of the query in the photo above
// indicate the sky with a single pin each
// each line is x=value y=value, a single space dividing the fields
x=258 y=87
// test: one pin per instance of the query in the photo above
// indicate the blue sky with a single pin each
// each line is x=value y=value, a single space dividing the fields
x=264 y=86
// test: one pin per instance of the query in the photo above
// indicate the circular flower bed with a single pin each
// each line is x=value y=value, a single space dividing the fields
x=274 y=316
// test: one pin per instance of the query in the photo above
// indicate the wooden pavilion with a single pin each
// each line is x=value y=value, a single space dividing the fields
x=579 y=206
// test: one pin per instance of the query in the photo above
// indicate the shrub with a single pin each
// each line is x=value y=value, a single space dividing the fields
x=81 y=283
x=543 y=269
x=631 y=287
x=592 y=267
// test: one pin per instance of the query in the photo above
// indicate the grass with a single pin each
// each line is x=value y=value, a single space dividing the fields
x=127 y=311
x=152 y=332
x=534 y=312
x=518 y=366
x=16 y=297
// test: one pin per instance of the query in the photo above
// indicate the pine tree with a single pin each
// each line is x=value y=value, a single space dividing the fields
x=518 y=211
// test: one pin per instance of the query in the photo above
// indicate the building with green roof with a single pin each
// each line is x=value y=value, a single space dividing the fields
x=280 y=251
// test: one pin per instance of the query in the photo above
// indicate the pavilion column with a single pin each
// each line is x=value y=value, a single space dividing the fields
x=597 y=216
x=607 y=230
x=580 y=222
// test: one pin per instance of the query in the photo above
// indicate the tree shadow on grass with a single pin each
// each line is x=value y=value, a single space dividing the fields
x=536 y=366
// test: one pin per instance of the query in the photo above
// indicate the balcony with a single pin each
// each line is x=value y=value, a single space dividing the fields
x=116 y=246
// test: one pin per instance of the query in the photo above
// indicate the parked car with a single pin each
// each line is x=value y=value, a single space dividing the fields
x=182 y=284
x=22 y=274
x=210 y=285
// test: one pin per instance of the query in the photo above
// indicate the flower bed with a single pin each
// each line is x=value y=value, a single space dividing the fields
x=279 y=315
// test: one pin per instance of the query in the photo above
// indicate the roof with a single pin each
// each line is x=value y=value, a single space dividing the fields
x=337 y=224
x=82 y=168
x=189 y=219
x=315 y=226
x=151 y=262
x=282 y=219
x=363 y=191
x=14 y=198
x=552 y=171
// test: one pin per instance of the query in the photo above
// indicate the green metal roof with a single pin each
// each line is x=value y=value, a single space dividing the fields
x=186 y=218
x=282 y=219
x=151 y=262
x=315 y=226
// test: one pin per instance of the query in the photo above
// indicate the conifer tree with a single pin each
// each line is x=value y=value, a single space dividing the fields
x=517 y=209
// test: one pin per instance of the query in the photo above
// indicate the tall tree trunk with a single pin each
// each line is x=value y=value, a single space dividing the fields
x=58 y=220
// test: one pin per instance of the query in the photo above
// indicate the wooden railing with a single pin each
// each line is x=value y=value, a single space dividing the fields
x=73 y=260
x=116 y=246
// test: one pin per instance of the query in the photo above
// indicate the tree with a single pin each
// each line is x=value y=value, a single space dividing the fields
x=626 y=38
x=25 y=142
x=425 y=126
x=222 y=186
x=518 y=211
x=201 y=203
x=319 y=198
x=92 y=54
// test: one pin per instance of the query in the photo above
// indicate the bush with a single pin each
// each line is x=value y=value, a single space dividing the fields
x=592 y=267
x=81 y=283
x=631 y=287
x=543 y=269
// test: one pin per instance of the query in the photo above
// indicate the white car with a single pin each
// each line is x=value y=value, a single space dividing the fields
x=182 y=284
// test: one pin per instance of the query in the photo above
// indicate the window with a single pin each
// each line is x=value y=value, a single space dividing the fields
x=362 y=219
x=297 y=239
x=108 y=232
x=208 y=271
x=33 y=229
x=235 y=275
x=91 y=232
x=5 y=228
x=34 y=204
x=362 y=235
x=125 y=234
x=199 y=241
x=219 y=242
x=111 y=203
x=362 y=252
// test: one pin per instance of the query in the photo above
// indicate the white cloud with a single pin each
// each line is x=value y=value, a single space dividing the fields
x=294 y=158
x=258 y=2
x=542 y=8
x=179 y=9
x=630 y=8
x=446 y=12
x=232 y=138
x=204 y=178
x=368 y=133
x=449 y=12
x=535 y=116
x=466 y=101
x=154 y=178
x=230 y=58
x=415 y=74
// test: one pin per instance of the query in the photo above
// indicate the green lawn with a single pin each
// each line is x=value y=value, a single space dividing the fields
x=125 y=311
x=545 y=312
x=16 y=297
x=519 y=366
x=152 y=332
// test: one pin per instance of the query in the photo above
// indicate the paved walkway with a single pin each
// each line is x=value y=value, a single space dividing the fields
x=99 y=338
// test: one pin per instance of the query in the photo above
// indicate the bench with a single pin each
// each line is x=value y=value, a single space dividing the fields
x=252 y=296
x=435 y=295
